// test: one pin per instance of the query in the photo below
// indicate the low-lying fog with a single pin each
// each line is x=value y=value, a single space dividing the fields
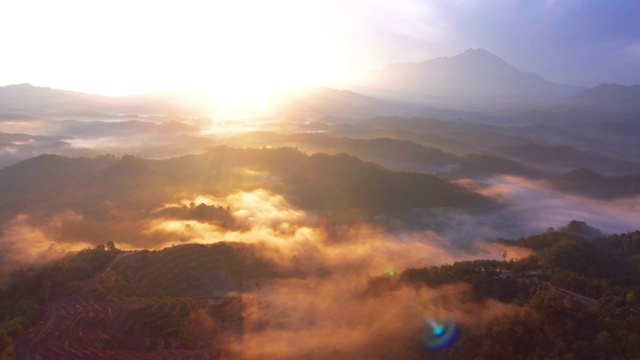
x=531 y=207
x=528 y=207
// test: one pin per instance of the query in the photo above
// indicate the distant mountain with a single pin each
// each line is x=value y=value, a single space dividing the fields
x=586 y=182
x=473 y=79
x=394 y=154
x=390 y=150
x=24 y=101
x=616 y=105
x=562 y=158
x=609 y=97
x=480 y=164
x=391 y=153
x=119 y=128
x=29 y=100
x=453 y=136
x=325 y=101
x=21 y=140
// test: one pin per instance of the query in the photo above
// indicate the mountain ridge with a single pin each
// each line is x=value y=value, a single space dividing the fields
x=37 y=101
x=466 y=80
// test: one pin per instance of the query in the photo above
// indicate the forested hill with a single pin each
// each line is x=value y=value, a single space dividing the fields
x=573 y=299
x=318 y=182
x=576 y=299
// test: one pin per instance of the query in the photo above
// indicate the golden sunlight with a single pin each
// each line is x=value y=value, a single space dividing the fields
x=240 y=51
x=275 y=46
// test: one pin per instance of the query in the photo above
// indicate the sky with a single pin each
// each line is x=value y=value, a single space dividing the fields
x=245 y=49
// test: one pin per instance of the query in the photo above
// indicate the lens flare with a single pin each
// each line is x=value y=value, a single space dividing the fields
x=389 y=271
x=439 y=336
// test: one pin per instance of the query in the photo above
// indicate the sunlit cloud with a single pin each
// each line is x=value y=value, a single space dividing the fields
x=322 y=300
x=292 y=237
x=334 y=317
x=259 y=208
x=26 y=242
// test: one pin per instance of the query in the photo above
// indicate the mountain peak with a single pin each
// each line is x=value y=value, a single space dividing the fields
x=475 y=78
x=23 y=85
x=482 y=57
x=478 y=51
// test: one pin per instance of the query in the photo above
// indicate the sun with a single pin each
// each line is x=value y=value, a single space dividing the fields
x=251 y=55
x=241 y=51
x=253 y=85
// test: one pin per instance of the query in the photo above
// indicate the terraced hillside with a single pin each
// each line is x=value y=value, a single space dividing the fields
x=178 y=303
x=85 y=327
x=185 y=271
